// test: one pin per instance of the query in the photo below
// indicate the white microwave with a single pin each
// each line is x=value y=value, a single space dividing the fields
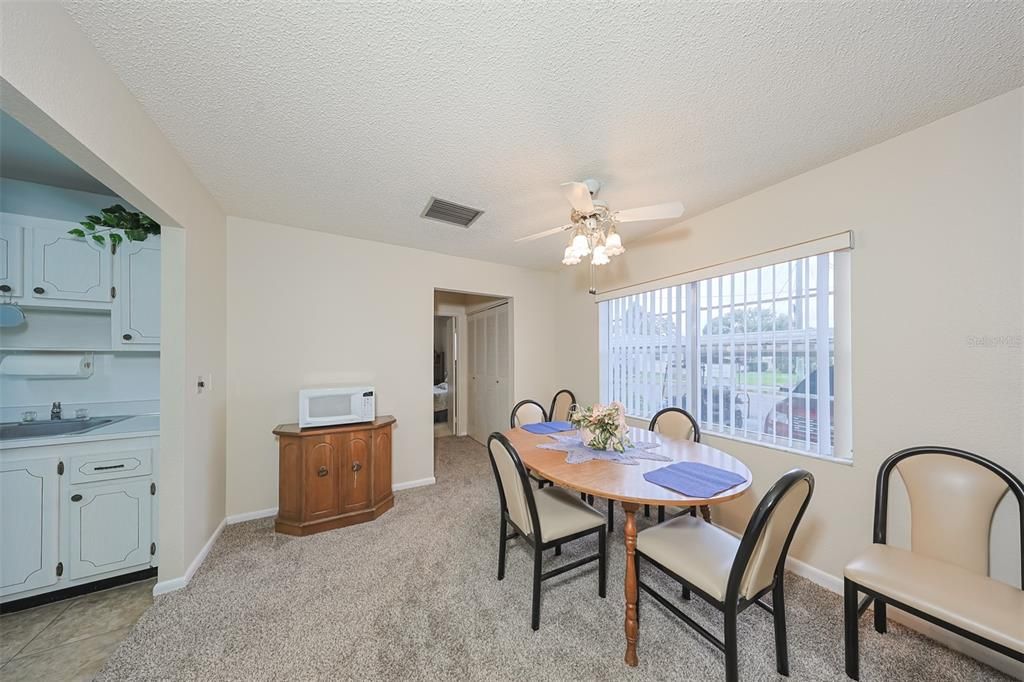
x=339 y=405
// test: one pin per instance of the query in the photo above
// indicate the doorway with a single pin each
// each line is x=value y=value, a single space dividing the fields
x=476 y=329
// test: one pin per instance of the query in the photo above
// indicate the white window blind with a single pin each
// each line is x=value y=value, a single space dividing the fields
x=750 y=354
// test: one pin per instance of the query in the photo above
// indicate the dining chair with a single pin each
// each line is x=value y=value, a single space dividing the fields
x=529 y=412
x=731 y=573
x=545 y=518
x=561 y=405
x=944 y=577
x=678 y=424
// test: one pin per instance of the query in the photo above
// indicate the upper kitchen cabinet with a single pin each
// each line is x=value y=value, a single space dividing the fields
x=11 y=281
x=136 y=313
x=68 y=269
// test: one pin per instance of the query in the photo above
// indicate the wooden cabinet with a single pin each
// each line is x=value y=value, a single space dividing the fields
x=333 y=476
x=29 y=514
x=67 y=268
x=136 y=312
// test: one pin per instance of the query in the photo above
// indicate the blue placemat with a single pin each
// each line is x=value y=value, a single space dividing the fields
x=545 y=428
x=694 y=479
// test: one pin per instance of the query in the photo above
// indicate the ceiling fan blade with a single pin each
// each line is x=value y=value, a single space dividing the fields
x=672 y=209
x=578 y=194
x=545 y=233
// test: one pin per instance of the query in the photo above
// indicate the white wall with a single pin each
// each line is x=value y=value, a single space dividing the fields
x=937 y=217
x=307 y=307
x=53 y=82
x=55 y=203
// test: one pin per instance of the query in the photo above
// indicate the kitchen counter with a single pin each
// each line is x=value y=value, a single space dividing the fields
x=132 y=427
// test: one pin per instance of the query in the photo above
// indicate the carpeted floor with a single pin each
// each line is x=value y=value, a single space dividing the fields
x=413 y=595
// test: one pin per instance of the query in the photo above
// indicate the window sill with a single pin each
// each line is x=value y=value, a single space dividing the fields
x=846 y=461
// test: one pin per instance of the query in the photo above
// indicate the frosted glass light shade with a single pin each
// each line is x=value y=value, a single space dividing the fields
x=570 y=257
x=600 y=256
x=613 y=245
x=580 y=245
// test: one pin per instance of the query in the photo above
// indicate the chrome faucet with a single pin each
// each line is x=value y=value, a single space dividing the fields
x=55 y=411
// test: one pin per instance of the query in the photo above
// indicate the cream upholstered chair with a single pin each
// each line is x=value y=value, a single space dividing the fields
x=944 y=577
x=529 y=412
x=561 y=405
x=730 y=573
x=678 y=424
x=544 y=518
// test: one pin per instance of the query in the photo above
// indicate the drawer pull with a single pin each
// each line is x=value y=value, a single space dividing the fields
x=321 y=472
x=357 y=466
x=107 y=468
x=76 y=498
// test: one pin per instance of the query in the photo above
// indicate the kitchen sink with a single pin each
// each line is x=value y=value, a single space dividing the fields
x=54 y=427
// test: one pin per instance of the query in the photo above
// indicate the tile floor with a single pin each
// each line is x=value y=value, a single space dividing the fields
x=70 y=640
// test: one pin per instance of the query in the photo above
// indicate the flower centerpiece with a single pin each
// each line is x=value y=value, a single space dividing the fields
x=602 y=427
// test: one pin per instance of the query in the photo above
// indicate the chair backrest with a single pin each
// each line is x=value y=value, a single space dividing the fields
x=677 y=423
x=560 y=405
x=953 y=496
x=513 y=486
x=765 y=543
x=527 y=412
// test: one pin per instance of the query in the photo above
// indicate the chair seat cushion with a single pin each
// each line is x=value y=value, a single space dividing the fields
x=563 y=513
x=694 y=550
x=978 y=604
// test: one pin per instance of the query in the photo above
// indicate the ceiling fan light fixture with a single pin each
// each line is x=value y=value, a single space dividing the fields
x=613 y=243
x=600 y=256
x=570 y=257
x=580 y=244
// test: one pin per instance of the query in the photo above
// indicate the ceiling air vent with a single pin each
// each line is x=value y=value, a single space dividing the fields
x=448 y=212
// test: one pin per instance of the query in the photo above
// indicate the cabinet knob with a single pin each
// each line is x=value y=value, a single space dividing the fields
x=39 y=290
x=357 y=466
x=76 y=498
x=6 y=288
x=126 y=337
x=321 y=472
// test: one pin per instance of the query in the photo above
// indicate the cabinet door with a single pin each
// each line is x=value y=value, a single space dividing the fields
x=67 y=268
x=381 y=464
x=137 y=308
x=11 y=255
x=110 y=527
x=357 y=472
x=29 y=504
x=321 y=458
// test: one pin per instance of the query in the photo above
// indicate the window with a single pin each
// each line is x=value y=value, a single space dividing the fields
x=751 y=354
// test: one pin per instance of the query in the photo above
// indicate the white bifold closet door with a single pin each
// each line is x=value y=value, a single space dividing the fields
x=490 y=371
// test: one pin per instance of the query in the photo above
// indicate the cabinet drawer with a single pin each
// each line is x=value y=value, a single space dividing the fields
x=106 y=466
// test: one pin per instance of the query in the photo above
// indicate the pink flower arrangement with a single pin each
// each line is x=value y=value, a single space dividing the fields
x=602 y=427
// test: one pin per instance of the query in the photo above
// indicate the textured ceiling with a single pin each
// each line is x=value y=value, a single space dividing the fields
x=23 y=156
x=347 y=117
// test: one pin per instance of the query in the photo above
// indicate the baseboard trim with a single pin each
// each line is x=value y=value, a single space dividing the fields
x=250 y=516
x=165 y=586
x=413 y=484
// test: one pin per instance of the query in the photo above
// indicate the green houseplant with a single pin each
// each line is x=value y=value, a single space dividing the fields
x=116 y=223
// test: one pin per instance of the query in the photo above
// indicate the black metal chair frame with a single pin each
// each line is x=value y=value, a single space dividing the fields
x=734 y=604
x=572 y=396
x=535 y=541
x=853 y=610
x=696 y=439
x=541 y=482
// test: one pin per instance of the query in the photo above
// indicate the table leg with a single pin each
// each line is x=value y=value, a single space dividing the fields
x=632 y=625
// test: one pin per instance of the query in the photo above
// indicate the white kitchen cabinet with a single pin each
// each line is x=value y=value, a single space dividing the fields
x=76 y=512
x=11 y=260
x=67 y=268
x=136 y=313
x=29 y=516
x=110 y=527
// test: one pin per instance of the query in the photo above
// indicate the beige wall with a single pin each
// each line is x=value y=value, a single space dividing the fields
x=55 y=83
x=307 y=307
x=937 y=217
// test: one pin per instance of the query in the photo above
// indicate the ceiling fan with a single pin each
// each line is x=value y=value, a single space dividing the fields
x=595 y=227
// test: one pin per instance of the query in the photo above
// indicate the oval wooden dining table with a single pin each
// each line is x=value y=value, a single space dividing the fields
x=626 y=484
